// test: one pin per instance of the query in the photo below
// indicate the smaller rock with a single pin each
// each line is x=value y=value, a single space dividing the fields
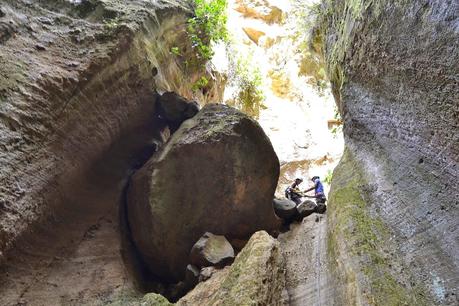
x=212 y=250
x=306 y=208
x=176 y=109
x=285 y=208
x=321 y=208
x=257 y=277
x=154 y=299
x=206 y=273
x=191 y=110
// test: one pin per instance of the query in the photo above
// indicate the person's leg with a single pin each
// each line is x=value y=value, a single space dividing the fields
x=295 y=199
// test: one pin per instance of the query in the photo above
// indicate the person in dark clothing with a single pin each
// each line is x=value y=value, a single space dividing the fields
x=293 y=193
x=318 y=188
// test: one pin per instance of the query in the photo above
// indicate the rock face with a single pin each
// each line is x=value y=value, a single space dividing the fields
x=257 y=277
x=394 y=197
x=260 y=9
x=217 y=173
x=211 y=250
x=78 y=91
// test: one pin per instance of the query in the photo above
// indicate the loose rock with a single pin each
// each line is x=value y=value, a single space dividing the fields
x=176 y=109
x=306 y=208
x=321 y=208
x=284 y=208
x=206 y=273
x=212 y=250
x=257 y=277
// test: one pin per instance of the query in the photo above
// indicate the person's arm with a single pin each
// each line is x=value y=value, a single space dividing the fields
x=312 y=188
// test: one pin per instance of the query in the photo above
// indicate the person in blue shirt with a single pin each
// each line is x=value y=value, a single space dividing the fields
x=318 y=188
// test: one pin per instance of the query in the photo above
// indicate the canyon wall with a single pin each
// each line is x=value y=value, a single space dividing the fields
x=393 y=215
x=79 y=82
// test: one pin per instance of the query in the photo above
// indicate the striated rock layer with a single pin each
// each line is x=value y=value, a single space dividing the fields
x=393 y=209
x=78 y=85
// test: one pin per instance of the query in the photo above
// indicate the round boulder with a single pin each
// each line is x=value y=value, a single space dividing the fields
x=217 y=173
x=306 y=208
x=285 y=208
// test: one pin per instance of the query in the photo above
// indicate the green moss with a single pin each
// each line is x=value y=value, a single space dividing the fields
x=364 y=239
x=243 y=285
x=154 y=299
x=249 y=96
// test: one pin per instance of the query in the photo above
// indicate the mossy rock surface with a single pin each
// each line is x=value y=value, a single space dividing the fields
x=257 y=277
x=359 y=248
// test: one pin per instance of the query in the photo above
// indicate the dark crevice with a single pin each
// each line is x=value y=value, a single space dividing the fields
x=144 y=278
x=171 y=111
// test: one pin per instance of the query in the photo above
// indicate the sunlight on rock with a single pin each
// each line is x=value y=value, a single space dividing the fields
x=298 y=115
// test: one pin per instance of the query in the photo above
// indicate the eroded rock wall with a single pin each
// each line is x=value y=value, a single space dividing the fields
x=393 y=232
x=74 y=78
x=78 y=86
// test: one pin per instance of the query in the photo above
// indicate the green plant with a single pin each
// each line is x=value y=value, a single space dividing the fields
x=176 y=51
x=201 y=83
x=110 y=24
x=328 y=177
x=339 y=128
x=248 y=80
x=207 y=25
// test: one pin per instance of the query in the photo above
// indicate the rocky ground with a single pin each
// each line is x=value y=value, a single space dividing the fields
x=76 y=258
x=307 y=274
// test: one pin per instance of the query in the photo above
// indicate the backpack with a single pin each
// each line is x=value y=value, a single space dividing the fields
x=287 y=192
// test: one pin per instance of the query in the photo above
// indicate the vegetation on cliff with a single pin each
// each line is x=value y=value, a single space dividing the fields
x=205 y=28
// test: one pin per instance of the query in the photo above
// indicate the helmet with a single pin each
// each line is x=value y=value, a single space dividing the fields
x=299 y=179
x=315 y=177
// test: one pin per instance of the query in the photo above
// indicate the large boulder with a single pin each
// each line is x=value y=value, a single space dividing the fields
x=217 y=173
x=257 y=277
x=211 y=250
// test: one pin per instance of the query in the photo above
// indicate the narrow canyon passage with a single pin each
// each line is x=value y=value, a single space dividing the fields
x=297 y=116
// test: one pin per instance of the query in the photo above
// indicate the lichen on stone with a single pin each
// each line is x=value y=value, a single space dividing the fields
x=357 y=243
